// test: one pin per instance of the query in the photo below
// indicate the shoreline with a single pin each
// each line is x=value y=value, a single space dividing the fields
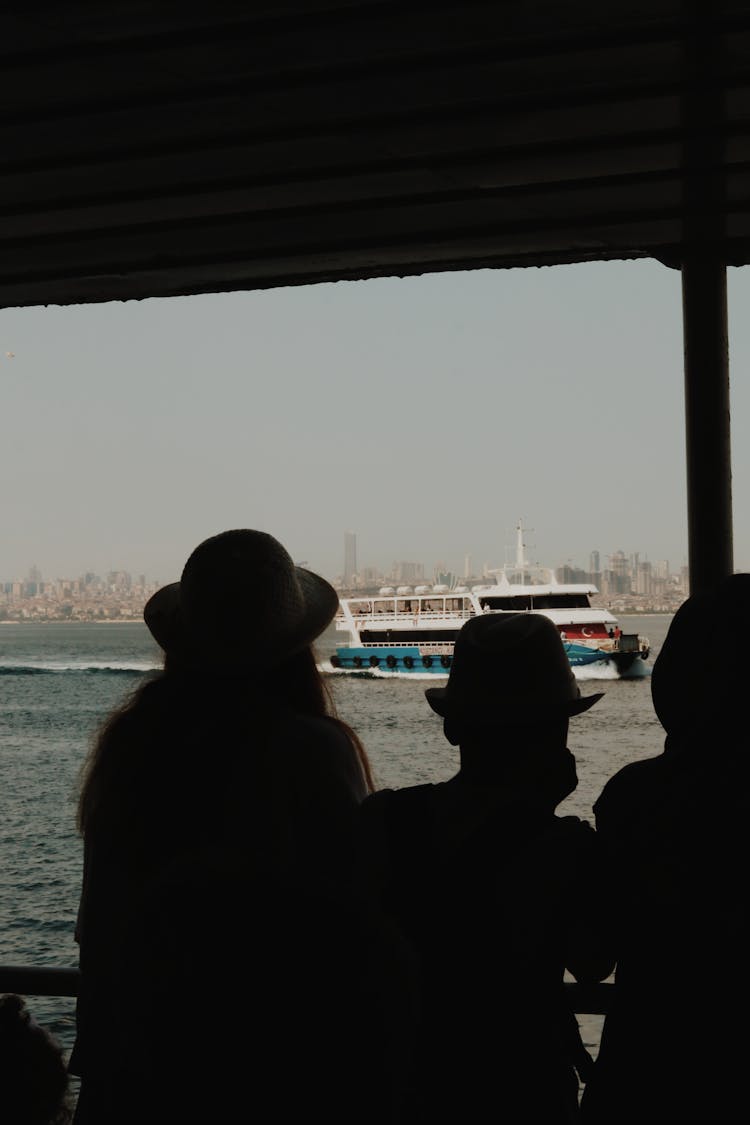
x=139 y=621
x=75 y=621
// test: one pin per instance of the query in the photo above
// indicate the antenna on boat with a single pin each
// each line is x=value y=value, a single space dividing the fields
x=521 y=563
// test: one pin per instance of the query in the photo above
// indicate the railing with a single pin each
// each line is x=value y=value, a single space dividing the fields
x=586 y=999
x=38 y=982
x=368 y=620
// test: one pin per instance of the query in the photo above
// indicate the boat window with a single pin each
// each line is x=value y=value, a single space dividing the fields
x=359 y=609
x=445 y=635
x=432 y=605
x=406 y=605
x=516 y=603
x=561 y=601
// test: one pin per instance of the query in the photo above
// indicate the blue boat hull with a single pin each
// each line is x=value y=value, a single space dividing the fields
x=408 y=659
x=628 y=664
x=581 y=655
x=402 y=658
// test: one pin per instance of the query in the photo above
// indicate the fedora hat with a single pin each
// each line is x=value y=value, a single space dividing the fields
x=240 y=603
x=509 y=668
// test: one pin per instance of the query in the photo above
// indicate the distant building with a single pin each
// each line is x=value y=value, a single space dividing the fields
x=617 y=579
x=644 y=578
x=371 y=576
x=574 y=574
x=350 y=558
x=408 y=572
x=444 y=577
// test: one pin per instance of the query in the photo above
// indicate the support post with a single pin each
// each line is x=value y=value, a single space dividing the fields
x=707 y=421
x=704 y=301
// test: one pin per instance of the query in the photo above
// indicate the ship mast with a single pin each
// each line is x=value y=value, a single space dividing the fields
x=521 y=563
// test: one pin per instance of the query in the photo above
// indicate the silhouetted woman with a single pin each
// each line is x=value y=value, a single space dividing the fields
x=218 y=912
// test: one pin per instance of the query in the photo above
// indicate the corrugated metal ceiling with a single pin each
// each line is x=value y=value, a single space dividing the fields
x=150 y=150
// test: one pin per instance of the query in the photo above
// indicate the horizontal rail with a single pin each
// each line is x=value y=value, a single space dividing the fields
x=39 y=982
x=585 y=999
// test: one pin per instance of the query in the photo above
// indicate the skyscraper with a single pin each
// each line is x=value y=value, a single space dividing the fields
x=350 y=557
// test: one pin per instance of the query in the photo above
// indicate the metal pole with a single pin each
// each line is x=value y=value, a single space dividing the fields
x=704 y=306
x=707 y=421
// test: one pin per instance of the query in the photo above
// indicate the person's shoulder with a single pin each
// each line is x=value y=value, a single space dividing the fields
x=321 y=728
x=574 y=831
x=315 y=751
x=389 y=803
x=631 y=790
x=314 y=739
x=393 y=797
x=573 y=825
x=634 y=777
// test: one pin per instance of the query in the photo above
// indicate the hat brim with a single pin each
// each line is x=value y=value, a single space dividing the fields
x=439 y=701
x=163 y=617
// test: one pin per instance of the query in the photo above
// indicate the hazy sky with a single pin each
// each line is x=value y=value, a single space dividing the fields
x=425 y=414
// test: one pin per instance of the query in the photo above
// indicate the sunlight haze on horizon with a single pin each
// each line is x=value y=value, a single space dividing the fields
x=425 y=414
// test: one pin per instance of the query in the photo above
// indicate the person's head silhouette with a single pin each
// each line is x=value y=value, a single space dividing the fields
x=715 y=622
x=509 y=670
x=241 y=604
x=511 y=683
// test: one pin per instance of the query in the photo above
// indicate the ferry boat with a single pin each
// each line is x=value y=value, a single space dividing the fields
x=413 y=629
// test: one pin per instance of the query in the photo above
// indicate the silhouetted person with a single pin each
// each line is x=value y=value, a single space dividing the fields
x=674 y=830
x=34 y=1086
x=492 y=887
x=218 y=813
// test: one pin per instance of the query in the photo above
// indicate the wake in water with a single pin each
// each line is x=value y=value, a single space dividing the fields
x=143 y=668
x=586 y=672
x=609 y=672
x=54 y=667
x=379 y=674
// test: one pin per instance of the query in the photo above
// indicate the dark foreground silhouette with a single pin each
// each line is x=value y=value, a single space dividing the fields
x=674 y=828
x=227 y=956
x=492 y=888
x=34 y=1088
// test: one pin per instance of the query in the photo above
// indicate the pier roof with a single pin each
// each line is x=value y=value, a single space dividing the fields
x=154 y=150
x=161 y=149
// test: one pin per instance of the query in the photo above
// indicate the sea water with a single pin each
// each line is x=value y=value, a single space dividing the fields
x=57 y=683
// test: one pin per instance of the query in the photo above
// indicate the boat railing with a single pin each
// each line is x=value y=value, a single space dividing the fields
x=585 y=999
x=387 y=618
x=430 y=647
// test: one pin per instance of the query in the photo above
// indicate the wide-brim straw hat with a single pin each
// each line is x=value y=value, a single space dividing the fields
x=241 y=603
x=509 y=668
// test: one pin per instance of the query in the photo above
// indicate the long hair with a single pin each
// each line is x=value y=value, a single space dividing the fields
x=34 y=1083
x=176 y=709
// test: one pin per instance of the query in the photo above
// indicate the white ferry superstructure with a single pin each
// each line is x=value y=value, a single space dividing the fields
x=414 y=629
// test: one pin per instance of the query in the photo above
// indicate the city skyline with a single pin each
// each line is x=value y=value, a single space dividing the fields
x=625 y=582
x=428 y=414
x=123 y=576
